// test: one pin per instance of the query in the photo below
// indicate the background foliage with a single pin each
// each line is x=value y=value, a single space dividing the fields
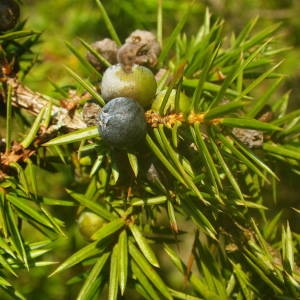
x=66 y=22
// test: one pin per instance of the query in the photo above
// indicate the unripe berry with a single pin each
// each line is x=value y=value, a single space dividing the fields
x=138 y=84
x=184 y=104
x=89 y=223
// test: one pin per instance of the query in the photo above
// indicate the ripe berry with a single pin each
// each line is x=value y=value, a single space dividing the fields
x=138 y=84
x=89 y=223
x=122 y=123
x=9 y=14
x=184 y=104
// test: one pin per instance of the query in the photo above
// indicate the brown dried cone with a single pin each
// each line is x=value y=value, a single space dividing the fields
x=250 y=137
x=90 y=112
x=141 y=48
x=107 y=48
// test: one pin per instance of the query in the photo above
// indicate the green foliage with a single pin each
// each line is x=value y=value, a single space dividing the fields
x=200 y=182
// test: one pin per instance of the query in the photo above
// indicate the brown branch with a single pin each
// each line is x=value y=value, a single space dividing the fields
x=64 y=117
x=33 y=102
